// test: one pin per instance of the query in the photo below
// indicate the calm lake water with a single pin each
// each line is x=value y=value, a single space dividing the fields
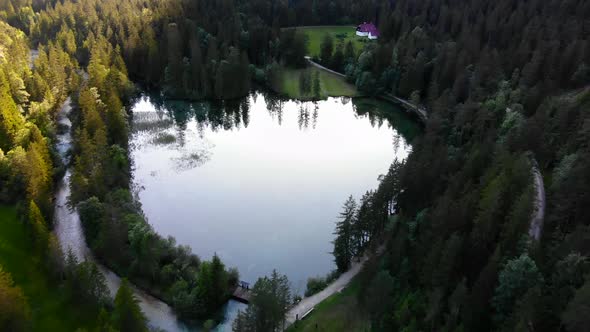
x=261 y=181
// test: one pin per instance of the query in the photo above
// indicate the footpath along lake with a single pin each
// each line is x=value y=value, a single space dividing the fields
x=261 y=181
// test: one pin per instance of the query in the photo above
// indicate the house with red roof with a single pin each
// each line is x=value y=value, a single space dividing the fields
x=367 y=30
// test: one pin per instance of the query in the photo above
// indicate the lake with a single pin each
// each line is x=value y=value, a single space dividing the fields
x=261 y=181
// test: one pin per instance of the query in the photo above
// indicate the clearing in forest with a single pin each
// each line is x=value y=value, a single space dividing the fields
x=289 y=84
x=340 y=34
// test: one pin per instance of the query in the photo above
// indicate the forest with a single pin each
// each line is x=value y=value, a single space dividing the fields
x=506 y=87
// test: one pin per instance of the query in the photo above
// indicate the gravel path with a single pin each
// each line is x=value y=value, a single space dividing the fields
x=313 y=63
x=538 y=215
x=310 y=302
x=420 y=111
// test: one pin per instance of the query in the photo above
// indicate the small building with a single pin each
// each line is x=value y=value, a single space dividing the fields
x=367 y=30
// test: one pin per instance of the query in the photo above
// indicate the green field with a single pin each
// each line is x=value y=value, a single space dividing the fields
x=339 y=312
x=339 y=34
x=50 y=308
x=331 y=85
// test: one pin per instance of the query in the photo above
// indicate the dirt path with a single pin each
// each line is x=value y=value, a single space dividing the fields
x=309 y=303
x=538 y=215
x=315 y=64
x=419 y=110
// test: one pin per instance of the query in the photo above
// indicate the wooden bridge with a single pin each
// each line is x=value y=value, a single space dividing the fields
x=242 y=293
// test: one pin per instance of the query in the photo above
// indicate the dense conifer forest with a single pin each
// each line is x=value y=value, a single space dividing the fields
x=506 y=85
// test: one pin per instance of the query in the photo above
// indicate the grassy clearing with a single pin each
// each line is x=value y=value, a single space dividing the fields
x=50 y=308
x=331 y=85
x=339 y=312
x=339 y=34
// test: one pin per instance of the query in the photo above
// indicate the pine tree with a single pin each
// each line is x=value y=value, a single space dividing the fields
x=268 y=306
x=349 y=55
x=326 y=49
x=10 y=119
x=127 y=315
x=39 y=228
x=344 y=242
x=304 y=82
x=14 y=310
x=104 y=322
x=316 y=85
x=219 y=287
x=338 y=59
x=576 y=317
x=514 y=281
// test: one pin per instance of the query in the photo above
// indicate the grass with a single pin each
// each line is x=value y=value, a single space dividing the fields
x=50 y=308
x=339 y=312
x=331 y=85
x=339 y=34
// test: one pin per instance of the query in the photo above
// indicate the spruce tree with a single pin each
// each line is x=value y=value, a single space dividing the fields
x=14 y=311
x=343 y=243
x=127 y=315
x=316 y=85
x=38 y=228
x=326 y=49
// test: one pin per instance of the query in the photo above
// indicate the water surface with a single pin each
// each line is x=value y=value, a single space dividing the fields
x=261 y=181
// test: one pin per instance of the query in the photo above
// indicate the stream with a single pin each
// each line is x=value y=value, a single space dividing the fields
x=68 y=230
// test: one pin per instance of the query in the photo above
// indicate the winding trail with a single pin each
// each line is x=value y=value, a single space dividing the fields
x=538 y=215
x=68 y=230
x=308 y=303
x=420 y=111
x=315 y=64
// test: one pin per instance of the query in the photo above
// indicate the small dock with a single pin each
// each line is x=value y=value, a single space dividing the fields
x=242 y=293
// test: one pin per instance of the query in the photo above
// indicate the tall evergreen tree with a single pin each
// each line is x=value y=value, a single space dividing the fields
x=268 y=305
x=15 y=313
x=127 y=315
x=344 y=243
x=39 y=228
x=316 y=85
x=326 y=49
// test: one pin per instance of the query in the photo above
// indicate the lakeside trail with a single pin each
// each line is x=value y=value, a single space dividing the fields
x=315 y=64
x=421 y=112
x=308 y=303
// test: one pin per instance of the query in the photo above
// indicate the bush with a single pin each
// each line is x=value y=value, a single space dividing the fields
x=318 y=284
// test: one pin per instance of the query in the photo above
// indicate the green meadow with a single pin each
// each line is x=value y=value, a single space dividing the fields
x=339 y=34
x=331 y=85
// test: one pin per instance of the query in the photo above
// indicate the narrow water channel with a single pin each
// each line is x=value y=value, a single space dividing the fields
x=68 y=230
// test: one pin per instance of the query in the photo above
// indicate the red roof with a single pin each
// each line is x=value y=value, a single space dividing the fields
x=368 y=27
